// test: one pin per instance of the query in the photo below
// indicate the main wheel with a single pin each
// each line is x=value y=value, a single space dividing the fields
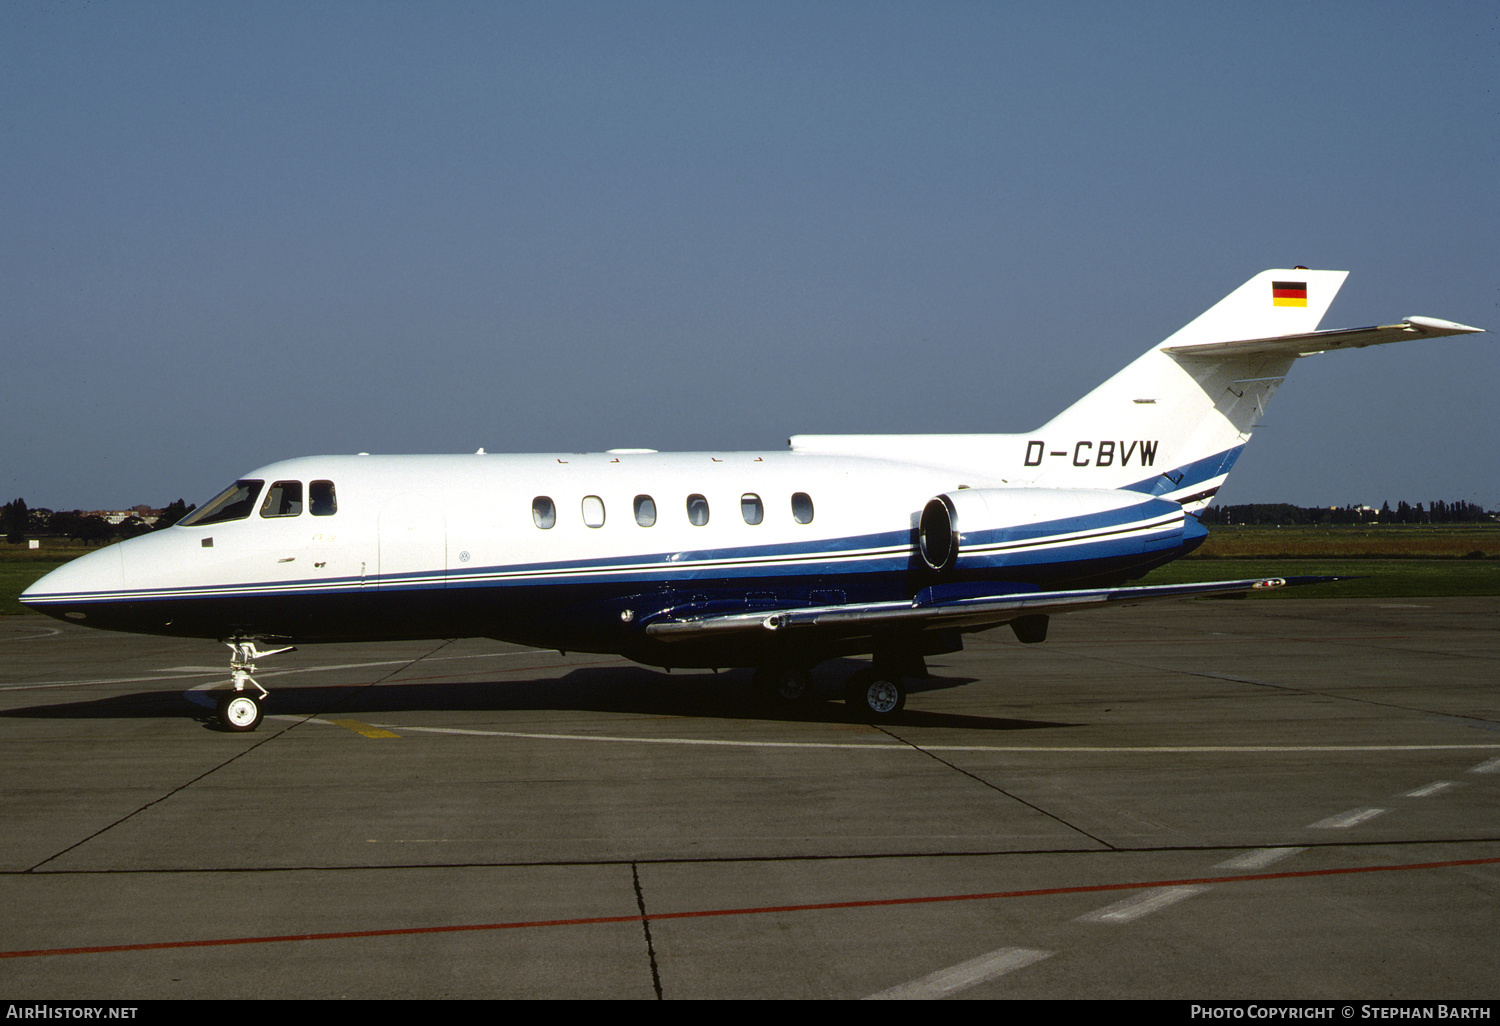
x=783 y=683
x=239 y=711
x=873 y=695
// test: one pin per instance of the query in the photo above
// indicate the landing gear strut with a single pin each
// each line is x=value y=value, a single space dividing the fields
x=239 y=710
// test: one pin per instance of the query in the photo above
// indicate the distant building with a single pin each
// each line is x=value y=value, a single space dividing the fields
x=116 y=517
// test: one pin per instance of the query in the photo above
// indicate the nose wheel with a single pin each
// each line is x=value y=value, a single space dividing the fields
x=240 y=710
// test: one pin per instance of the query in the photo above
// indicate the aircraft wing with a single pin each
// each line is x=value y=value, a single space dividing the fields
x=1322 y=341
x=931 y=610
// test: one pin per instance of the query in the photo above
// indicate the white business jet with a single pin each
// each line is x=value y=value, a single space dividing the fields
x=893 y=546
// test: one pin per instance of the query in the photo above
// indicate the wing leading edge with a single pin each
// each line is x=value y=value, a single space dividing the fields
x=931 y=610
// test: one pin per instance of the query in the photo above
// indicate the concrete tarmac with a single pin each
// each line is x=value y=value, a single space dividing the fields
x=1294 y=799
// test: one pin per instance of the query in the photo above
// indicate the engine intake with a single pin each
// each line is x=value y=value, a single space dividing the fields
x=937 y=533
x=953 y=524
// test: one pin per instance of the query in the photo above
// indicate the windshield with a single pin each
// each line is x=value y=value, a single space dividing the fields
x=233 y=503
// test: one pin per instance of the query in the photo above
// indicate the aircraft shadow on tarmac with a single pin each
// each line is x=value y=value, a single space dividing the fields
x=625 y=690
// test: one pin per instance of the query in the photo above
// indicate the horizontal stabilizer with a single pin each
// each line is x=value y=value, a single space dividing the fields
x=1322 y=341
x=967 y=613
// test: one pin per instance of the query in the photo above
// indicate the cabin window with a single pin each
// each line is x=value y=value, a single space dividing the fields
x=697 y=510
x=802 y=510
x=283 y=499
x=593 y=511
x=751 y=508
x=543 y=512
x=321 y=501
x=234 y=503
x=645 y=510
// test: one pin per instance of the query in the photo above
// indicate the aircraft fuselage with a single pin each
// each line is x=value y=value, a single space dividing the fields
x=582 y=551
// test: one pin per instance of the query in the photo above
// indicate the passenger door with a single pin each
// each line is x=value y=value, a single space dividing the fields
x=413 y=545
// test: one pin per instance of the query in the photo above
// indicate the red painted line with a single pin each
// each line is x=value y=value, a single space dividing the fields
x=704 y=913
x=403 y=932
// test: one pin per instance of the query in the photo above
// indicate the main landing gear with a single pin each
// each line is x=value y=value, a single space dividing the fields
x=239 y=710
x=785 y=685
x=874 y=694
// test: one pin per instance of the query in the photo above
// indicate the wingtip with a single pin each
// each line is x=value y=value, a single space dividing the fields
x=1438 y=326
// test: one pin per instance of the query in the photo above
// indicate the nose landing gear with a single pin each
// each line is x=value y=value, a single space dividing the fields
x=240 y=710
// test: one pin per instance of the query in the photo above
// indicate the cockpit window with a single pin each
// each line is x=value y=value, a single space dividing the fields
x=233 y=503
x=283 y=499
x=321 y=500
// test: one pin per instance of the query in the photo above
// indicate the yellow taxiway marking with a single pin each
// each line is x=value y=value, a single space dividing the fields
x=363 y=728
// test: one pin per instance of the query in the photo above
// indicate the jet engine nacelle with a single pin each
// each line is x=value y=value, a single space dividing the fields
x=953 y=523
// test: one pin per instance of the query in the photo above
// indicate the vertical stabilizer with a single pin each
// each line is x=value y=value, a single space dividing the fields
x=1173 y=425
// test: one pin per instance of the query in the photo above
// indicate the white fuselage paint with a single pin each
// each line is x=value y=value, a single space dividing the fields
x=443 y=546
x=405 y=520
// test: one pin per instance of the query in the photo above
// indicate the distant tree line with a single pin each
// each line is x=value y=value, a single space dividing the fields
x=1283 y=513
x=18 y=522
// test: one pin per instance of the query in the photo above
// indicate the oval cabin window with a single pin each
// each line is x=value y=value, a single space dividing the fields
x=751 y=508
x=802 y=508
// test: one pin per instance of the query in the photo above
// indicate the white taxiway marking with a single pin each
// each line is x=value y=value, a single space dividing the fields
x=1258 y=859
x=182 y=672
x=40 y=685
x=1138 y=905
x=1493 y=766
x=892 y=746
x=611 y=737
x=196 y=696
x=47 y=632
x=1430 y=789
x=963 y=976
x=1353 y=817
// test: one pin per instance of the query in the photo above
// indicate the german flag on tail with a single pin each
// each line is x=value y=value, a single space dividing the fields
x=1288 y=293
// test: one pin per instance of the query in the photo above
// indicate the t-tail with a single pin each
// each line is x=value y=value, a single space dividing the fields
x=1172 y=423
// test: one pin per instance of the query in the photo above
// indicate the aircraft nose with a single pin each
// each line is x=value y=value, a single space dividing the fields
x=73 y=587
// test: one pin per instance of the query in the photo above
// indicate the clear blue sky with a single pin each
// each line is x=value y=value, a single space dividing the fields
x=236 y=232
